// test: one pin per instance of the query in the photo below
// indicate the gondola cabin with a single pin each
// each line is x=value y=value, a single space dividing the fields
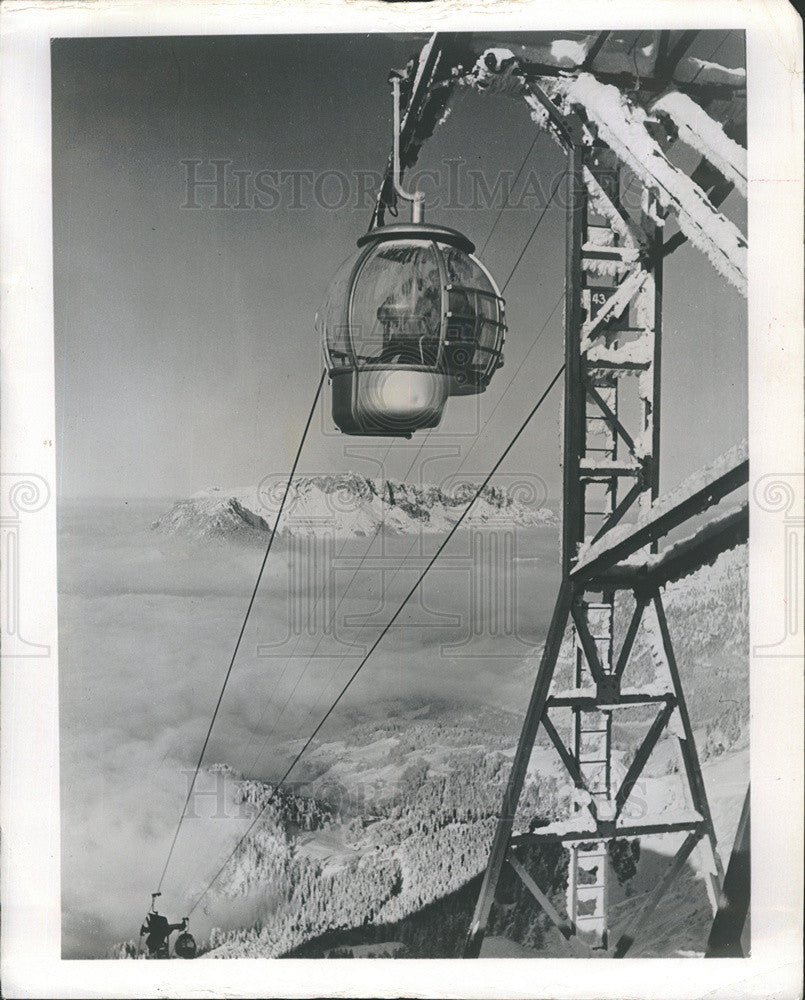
x=409 y=320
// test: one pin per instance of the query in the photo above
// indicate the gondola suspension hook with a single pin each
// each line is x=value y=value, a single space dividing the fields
x=417 y=198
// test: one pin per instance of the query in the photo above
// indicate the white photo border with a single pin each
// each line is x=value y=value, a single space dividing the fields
x=30 y=947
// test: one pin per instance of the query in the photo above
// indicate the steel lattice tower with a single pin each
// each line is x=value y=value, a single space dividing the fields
x=613 y=310
x=612 y=575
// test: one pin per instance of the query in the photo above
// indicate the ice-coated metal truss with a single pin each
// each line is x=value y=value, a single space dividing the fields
x=612 y=571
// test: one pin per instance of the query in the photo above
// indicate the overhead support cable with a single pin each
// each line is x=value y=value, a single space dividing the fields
x=508 y=195
x=556 y=186
x=386 y=628
x=243 y=627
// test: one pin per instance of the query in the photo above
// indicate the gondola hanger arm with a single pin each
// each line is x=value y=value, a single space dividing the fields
x=417 y=198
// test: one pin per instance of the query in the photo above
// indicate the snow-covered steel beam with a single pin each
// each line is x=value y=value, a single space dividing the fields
x=620 y=224
x=717 y=191
x=570 y=831
x=695 y=495
x=699 y=131
x=727 y=530
x=621 y=63
x=586 y=700
x=623 y=129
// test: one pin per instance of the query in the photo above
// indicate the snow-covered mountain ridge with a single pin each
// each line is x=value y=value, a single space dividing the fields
x=350 y=504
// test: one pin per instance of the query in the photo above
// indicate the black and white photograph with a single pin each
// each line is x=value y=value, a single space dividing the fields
x=405 y=460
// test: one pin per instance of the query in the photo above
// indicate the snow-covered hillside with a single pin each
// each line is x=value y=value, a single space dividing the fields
x=424 y=853
x=347 y=504
x=389 y=821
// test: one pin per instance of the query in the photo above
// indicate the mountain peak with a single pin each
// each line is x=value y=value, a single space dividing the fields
x=349 y=504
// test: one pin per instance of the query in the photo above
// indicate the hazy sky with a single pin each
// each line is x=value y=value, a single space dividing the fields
x=185 y=350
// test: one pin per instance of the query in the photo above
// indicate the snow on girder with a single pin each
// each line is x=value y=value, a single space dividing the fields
x=699 y=131
x=583 y=828
x=623 y=128
x=619 y=57
x=726 y=529
x=630 y=235
x=621 y=125
x=618 y=122
x=706 y=71
x=703 y=489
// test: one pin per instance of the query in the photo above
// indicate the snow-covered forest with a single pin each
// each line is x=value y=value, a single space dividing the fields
x=332 y=873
